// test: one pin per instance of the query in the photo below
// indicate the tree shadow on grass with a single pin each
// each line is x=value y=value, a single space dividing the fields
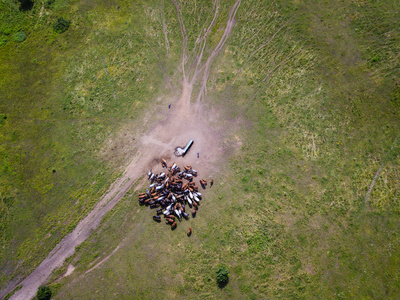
x=25 y=5
x=223 y=284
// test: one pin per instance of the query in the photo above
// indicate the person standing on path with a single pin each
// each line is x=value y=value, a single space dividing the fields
x=198 y=155
x=169 y=105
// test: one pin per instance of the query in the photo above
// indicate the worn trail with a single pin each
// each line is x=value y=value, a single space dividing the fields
x=82 y=231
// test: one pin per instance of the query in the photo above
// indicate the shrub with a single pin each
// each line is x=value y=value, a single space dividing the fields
x=3 y=118
x=222 y=276
x=43 y=293
x=19 y=36
x=48 y=3
x=61 y=25
x=7 y=30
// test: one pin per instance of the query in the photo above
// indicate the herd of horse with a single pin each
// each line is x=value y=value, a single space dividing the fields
x=172 y=192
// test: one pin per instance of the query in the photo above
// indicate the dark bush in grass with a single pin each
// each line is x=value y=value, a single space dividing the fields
x=6 y=29
x=3 y=118
x=48 y=4
x=25 y=5
x=43 y=293
x=222 y=276
x=61 y=25
x=19 y=37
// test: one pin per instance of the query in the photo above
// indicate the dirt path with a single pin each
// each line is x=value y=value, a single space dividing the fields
x=178 y=126
x=229 y=25
x=368 y=195
x=184 y=38
x=373 y=183
x=68 y=244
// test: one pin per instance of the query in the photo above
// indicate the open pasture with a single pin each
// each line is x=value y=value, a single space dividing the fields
x=294 y=108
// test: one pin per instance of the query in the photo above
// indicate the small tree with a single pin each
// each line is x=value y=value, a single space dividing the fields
x=222 y=276
x=61 y=25
x=48 y=3
x=43 y=293
x=19 y=36
x=3 y=119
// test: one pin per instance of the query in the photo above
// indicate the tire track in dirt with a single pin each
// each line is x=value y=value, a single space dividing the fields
x=202 y=40
x=184 y=38
x=373 y=183
x=384 y=161
x=229 y=25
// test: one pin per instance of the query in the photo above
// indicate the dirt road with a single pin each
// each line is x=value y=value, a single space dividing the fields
x=179 y=124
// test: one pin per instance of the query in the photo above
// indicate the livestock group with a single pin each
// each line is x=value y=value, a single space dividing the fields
x=172 y=193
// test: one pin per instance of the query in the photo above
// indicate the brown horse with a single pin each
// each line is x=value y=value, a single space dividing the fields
x=169 y=221
x=164 y=163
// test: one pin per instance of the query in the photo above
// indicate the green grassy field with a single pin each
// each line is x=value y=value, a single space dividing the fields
x=64 y=102
x=317 y=87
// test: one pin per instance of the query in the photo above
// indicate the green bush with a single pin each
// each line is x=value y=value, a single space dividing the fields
x=3 y=118
x=6 y=30
x=43 y=293
x=19 y=36
x=48 y=3
x=222 y=275
x=61 y=25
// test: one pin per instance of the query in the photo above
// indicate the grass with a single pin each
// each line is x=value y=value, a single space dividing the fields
x=317 y=86
x=63 y=96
